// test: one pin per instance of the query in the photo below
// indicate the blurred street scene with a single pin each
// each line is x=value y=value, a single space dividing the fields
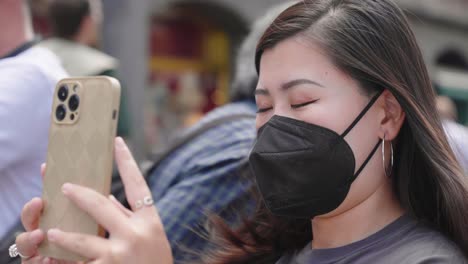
x=188 y=77
x=176 y=57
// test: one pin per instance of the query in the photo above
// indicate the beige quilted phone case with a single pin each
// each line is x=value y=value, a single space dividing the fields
x=80 y=151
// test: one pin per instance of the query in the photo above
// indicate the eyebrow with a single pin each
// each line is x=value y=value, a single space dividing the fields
x=291 y=84
x=288 y=85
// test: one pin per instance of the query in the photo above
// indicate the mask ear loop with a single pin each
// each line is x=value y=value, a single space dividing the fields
x=383 y=158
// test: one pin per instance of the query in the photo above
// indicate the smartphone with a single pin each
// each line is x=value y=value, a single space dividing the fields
x=80 y=150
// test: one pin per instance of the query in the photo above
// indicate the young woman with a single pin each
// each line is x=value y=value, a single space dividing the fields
x=351 y=160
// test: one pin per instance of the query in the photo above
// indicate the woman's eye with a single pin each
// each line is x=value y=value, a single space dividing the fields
x=262 y=110
x=303 y=104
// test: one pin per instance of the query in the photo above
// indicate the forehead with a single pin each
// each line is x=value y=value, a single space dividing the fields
x=296 y=58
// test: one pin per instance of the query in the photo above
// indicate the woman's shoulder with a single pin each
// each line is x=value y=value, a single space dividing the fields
x=406 y=241
x=422 y=244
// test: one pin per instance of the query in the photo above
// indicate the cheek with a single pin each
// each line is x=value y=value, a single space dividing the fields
x=261 y=119
x=362 y=140
x=335 y=112
x=366 y=184
x=322 y=115
x=258 y=123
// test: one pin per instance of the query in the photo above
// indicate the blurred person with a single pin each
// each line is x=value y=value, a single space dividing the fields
x=457 y=134
x=458 y=139
x=189 y=99
x=75 y=26
x=28 y=75
x=446 y=108
x=207 y=175
x=351 y=164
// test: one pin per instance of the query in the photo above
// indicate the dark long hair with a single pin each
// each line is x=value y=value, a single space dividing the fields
x=373 y=43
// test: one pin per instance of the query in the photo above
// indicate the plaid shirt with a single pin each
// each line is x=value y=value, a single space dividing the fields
x=202 y=177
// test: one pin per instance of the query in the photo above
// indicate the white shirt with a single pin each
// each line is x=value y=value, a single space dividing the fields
x=79 y=59
x=27 y=83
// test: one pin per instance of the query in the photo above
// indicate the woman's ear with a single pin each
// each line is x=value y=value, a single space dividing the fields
x=393 y=117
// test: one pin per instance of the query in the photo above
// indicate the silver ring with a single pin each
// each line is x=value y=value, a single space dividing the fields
x=147 y=201
x=13 y=250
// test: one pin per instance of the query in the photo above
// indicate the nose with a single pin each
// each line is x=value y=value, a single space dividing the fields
x=282 y=111
x=278 y=110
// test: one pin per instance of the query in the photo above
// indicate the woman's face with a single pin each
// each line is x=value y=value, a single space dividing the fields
x=297 y=80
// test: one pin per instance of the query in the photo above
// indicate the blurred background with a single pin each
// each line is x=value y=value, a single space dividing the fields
x=176 y=56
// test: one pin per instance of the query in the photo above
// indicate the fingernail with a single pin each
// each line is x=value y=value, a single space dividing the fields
x=119 y=142
x=53 y=234
x=112 y=197
x=66 y=188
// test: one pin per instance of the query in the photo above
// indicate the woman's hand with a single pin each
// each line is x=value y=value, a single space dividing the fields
x=29 y=241
x=136 y=236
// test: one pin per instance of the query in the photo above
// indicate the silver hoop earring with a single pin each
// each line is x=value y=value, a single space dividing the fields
x=388 y=174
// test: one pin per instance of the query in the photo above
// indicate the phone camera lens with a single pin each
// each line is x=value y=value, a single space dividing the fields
x=60 y=112
x=63 y=93
x=74 y=102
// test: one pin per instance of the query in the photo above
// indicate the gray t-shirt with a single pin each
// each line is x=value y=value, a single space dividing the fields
x=405 y=241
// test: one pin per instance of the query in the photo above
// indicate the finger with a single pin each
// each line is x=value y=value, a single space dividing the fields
x=52 y=261
x=28 y=242
x=97 y=206
x=56 y=261
x=135 y=185
x=122 y=208
x=43 y=169
x=33 y=260
x=31 y=213
x=90 y=247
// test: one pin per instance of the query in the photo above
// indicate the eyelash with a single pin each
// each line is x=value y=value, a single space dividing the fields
x=264 y=110
x=303 y=104
x=292 y=106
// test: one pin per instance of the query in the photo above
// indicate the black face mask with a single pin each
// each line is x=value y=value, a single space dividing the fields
x=304 y=170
